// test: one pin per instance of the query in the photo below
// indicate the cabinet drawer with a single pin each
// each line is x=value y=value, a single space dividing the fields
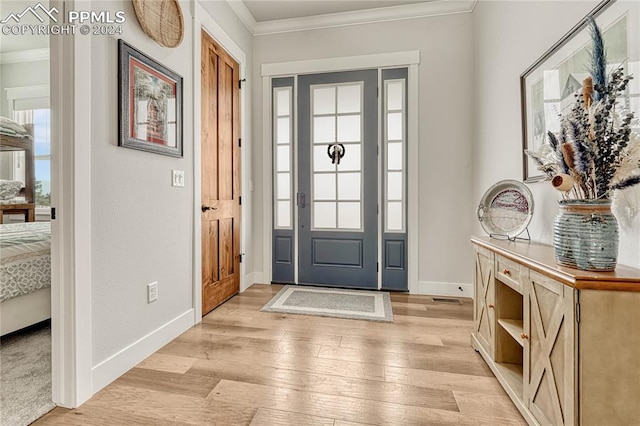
x=510 y=273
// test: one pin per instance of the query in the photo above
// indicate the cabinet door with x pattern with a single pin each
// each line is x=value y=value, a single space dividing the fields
x=549 y=369
x=484 y=309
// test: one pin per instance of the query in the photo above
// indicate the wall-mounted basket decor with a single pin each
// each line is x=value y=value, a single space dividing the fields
x=161 y=20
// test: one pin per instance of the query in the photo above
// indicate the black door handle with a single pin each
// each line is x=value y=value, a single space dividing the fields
x=205 y=208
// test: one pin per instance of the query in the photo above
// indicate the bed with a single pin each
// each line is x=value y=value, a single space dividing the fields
x=25 y=248
x=16 y=137
x=25 y=274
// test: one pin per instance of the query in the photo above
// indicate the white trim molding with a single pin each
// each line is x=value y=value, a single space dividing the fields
x=116 y=365
x=71 y=341
x=434 y=288
x=378 y=60
x=244 y=14
x=356 y=17
x=24 y=56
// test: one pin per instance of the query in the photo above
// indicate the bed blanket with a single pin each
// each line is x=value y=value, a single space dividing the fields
x=25 y=258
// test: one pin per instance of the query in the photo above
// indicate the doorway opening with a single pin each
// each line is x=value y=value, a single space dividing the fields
x=340 y=179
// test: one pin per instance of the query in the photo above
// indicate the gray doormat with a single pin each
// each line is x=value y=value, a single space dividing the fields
x=327 y=302
x=25 y=376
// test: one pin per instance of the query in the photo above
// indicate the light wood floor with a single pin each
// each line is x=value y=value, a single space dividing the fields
x=245 y=367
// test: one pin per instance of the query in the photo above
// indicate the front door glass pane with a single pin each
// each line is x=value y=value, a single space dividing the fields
x=336 y=111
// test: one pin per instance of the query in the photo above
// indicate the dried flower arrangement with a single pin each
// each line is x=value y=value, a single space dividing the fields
x=595 y=152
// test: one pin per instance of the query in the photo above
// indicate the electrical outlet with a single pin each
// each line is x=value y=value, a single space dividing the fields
x=152 y=292
x=177 y=178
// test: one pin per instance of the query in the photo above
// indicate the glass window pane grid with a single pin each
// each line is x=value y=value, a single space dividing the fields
x=283 y=206
x=334 y=170
x=397 y=205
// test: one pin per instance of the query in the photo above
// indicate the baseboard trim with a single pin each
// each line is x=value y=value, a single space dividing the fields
x=116 y=365
x=257 y=278
x=435 y=288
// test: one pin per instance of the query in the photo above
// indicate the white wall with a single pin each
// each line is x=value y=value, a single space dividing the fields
x=508 y=38
x=446 y=113
x=141 y=226
x=21 y=74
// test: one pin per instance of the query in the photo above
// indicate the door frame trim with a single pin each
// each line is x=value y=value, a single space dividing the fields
x=71 y=231
x=409 y=59
x=203 y=21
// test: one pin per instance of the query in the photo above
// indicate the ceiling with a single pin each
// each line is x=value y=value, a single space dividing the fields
x=270 y=10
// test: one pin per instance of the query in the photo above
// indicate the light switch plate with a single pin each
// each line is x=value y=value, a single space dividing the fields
x=177 y=178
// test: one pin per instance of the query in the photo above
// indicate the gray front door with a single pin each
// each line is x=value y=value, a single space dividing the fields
x=337 y=203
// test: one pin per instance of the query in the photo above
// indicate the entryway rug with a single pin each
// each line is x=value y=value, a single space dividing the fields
x=25 y=376
x=327 y=302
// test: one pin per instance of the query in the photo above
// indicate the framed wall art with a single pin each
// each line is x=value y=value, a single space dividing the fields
x=547 y=87
x=149 y=104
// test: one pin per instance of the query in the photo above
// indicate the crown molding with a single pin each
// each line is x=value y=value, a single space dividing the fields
x=357 y=17
x=24 y=56
x=243 y=13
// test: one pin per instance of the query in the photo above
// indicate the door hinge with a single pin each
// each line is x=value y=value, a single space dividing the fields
x=377 y=208
x=240 y=83
x=377 y=266
x=377 y=92
x=240 y=199
x=577 y=312
x=240 y=142
x=240 y=256
x=53 y=212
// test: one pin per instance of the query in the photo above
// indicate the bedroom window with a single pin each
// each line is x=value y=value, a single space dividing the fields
x=41 y=119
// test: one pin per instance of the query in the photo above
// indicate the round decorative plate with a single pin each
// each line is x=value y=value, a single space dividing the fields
x=161 y=20
x=506 y=209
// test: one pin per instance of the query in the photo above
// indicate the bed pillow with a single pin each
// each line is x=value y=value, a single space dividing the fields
x=10 y=189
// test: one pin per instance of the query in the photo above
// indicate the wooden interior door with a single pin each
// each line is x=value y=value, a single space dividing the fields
x=220 y=167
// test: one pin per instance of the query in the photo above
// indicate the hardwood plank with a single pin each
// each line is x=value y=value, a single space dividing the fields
x=493 y=405
x=312 y=337
x=358 y=342
x=247 y=372
x=288 y=347
x=181 y=384
x=168 y=363
x=267 y=417
x=358 y=370
x=444 y=380
x=337 y=407
x=407 y=305
x=172 y=407
x=462 y=362
x=213 y=329
x=101 y=416
x=205 y=349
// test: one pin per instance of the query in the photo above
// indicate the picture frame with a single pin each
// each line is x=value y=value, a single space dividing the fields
x=547 y=87
x=149 y=104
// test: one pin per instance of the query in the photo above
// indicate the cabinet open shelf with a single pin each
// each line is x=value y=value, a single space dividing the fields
x=514 y=328
x=512 y=375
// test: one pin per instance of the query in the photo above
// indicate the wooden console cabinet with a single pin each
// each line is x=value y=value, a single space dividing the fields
x=564 y=343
